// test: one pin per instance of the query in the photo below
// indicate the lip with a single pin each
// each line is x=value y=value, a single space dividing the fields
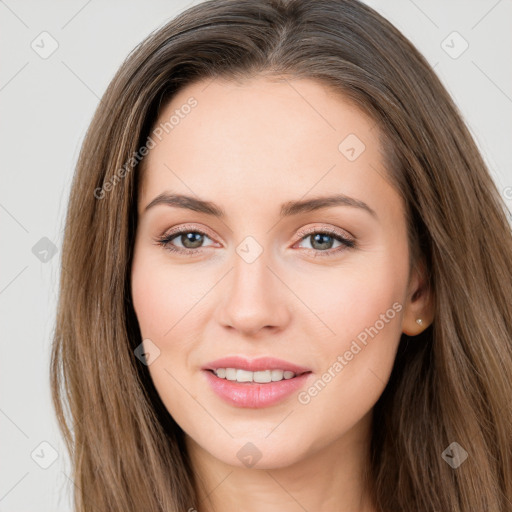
x=255 y=365
x=252 y=394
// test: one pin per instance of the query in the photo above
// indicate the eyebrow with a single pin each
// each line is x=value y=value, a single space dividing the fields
x=287 y=209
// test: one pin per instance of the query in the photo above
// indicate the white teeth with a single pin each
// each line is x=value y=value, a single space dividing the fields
x=243 y=376
x=277 y=375
x=230 y=374
x=261 y=377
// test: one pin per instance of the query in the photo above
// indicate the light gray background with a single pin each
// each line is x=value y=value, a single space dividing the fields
x=46 y=105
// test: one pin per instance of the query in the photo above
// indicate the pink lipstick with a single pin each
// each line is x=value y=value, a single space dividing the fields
x=255 y=383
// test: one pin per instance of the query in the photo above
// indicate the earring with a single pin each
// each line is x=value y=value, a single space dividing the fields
x=419 y=321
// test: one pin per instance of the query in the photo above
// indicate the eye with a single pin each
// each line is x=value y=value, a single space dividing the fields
x=321 y=241
x=191 y=240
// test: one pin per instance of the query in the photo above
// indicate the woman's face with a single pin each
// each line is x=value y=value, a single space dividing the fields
x=285 y=273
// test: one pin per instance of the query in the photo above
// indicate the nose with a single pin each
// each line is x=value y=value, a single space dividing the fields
x=254 y=298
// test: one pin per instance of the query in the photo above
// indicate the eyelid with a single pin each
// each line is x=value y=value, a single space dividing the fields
x=343 y=233
x=190 y=227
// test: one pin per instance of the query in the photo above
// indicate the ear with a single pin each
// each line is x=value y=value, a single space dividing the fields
x=419 y=302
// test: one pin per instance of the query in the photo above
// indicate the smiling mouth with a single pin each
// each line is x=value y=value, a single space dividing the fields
x=256 y=389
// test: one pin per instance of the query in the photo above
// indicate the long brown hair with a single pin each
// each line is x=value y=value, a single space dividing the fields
x=451 y=383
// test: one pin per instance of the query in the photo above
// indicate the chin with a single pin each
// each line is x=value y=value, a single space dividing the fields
x=252 y=452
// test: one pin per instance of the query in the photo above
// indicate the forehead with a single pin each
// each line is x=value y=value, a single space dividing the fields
x=247 y=116
x=246 y=141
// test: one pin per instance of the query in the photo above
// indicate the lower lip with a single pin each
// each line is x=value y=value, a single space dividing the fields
x=252 y=394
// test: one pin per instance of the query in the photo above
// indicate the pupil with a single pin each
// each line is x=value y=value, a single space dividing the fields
x=192 y=238
x=324 y=240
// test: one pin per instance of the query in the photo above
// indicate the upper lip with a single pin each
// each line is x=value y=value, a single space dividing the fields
x=255 y=365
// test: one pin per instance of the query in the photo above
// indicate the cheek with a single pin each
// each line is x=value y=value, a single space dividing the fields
x=350 y=298
x=364 y=309
x=151 y=300
x=357 y=359
x=162 y=295
x=164 y=310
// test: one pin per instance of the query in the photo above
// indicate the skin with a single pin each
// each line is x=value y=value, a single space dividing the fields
x=249 y=147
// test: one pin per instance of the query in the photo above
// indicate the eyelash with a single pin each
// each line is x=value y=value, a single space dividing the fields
x=165 y=241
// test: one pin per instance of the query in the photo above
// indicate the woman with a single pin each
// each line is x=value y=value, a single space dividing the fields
x=286 y=276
